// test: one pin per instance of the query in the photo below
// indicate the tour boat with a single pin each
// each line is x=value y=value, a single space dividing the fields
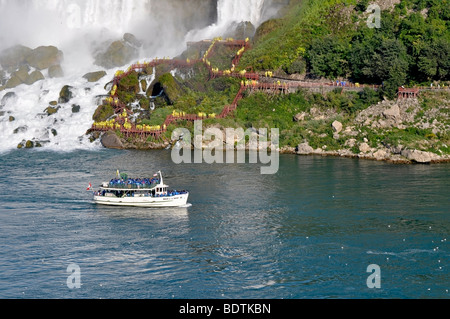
x=141 y=192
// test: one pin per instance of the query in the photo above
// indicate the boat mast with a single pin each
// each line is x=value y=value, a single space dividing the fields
x=161 y=178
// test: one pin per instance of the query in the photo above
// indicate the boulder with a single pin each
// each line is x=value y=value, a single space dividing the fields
x=350 y=143
x=132 y=40
x=417 y=156
x=76 y=108
x=52 y=110
x=380 y=155
x=111 y=140
x=44 y=57
x=10 y=96
x=14 y=57
x=304 y=149
x=21 y=76
x=66 y=94
x=117 y=54
x=55 y=71
x=393 y=113
x=364 y=148
x=94 y=76
x=22 y=73
x=396 y=149
x=242 y=30
x=13 y=82
x=337 y=127
x=34 y=77
x=20 y=129
x=299 y=117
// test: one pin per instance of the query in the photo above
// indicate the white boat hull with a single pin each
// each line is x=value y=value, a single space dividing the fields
x=150 y=202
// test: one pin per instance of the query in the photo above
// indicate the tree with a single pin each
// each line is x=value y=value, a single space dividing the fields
x=361 y=59
x=433 y=63
x=362 y=5
x=328 y=57
x=380 y=60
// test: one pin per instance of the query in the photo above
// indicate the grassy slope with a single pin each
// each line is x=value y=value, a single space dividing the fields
x=292 y=35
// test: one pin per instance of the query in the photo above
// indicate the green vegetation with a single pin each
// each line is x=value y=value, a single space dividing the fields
x=128 y=88
x=103 y=113
x=319 y=39
x=262 y=111
x=332 y=37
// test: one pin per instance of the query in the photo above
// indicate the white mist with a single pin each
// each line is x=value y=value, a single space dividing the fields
x=74 y=26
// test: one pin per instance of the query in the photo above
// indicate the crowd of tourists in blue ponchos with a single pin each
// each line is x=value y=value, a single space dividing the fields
x=133 y=183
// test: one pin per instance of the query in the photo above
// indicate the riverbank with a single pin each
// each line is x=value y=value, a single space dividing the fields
x=405 y=156
x=401 y=131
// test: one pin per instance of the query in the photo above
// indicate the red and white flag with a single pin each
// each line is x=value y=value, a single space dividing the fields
x=89 y=187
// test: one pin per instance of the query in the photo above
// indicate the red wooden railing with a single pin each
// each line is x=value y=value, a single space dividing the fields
x=249 y=81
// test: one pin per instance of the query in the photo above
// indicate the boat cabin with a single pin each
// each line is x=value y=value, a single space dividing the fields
x=160 y=190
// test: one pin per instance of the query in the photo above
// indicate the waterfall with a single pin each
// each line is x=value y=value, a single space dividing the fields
x=229 y=12
x=78 y=14
x=69 y=25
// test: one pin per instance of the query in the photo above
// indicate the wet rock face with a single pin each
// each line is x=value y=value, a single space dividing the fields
x=13 y=58
x=55 y=71
x=66 y=94
x=13 y=82
x=34 y=77
x=20 y=61
x=94 y=76
x=44 y=57
x=76 y=108
x=111 y=140
x=8 y=97
x=119 y=53
x=21 y=76
x=242 y=30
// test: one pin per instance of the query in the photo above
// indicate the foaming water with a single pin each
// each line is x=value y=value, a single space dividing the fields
x=78 y=27
x=64 y=130
x=310 y=231
x=229 y=12
x=70 y=17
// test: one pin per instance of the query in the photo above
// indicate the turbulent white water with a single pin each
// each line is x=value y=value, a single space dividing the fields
x=228 y=12
x=72 y=26
x=238 y=10
x=39 y=21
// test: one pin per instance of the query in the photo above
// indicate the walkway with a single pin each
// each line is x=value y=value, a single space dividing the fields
x=249 y=81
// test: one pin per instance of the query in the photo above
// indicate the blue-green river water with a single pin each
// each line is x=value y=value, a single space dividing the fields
x=309 y=231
